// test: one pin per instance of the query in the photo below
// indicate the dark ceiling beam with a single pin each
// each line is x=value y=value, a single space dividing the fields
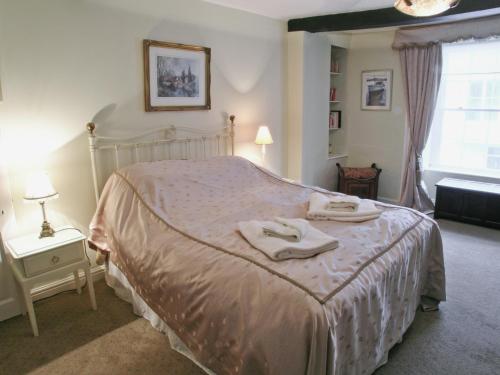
x=390 y=17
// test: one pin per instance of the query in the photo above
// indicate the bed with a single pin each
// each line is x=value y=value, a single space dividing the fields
x=168 y=228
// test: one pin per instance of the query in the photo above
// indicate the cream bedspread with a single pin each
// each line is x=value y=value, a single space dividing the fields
x=171 y=228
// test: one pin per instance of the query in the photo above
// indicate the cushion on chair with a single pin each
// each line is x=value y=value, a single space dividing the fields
x=360 y=173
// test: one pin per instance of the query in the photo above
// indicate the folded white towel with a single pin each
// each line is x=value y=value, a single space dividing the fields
x=317 y=202
x=286 y=229
x=344 y=219
x=313 y=242
x=342 y=203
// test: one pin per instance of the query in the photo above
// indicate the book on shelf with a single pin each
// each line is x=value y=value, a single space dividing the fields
x=335 y=120
x=333 y=94
x=335 y=67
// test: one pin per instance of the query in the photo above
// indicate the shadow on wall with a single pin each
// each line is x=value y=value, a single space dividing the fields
x=50 y=105
x=242 y=68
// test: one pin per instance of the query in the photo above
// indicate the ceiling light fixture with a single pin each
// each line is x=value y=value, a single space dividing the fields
x=425 y=8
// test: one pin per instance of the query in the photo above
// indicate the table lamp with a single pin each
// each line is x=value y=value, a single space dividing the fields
x=263 y=138
x=39 y=189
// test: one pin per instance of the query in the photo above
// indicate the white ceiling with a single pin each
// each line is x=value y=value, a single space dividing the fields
x=286 y=9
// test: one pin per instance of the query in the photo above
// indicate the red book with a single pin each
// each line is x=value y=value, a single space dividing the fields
x=333 y=94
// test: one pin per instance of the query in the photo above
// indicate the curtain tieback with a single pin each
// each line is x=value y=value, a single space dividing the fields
x=419 y=168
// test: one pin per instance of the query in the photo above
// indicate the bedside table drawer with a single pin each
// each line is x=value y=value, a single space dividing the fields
x=53 y=259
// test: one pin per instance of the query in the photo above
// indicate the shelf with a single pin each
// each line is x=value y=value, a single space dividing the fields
x=337 y=156
x=338 y=92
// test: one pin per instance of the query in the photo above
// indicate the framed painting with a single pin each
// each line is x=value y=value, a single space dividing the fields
x=176 y=76
x=376 y=90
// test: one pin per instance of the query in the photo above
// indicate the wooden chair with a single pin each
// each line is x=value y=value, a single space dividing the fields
x=362 y=182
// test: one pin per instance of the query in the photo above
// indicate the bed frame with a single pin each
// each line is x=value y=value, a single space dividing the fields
x=107 y=153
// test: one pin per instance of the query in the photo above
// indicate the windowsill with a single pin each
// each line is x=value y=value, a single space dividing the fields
x=462 y=173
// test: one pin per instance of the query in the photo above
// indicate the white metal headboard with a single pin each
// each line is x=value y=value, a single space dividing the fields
x=170 y=143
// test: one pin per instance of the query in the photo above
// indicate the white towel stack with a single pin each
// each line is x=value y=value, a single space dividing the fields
x=286 y=229
x=269 y=238
x=318 y=204
x=342 y=203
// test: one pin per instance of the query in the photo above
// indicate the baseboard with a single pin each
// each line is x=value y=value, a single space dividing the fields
x=68 y=283
x=9 y=308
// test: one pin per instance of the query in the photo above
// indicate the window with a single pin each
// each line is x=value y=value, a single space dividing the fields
x=465 y=135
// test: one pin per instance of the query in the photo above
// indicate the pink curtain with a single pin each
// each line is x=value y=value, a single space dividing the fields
x=421 y=67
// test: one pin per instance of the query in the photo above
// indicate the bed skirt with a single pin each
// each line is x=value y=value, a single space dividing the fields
x=117 y=280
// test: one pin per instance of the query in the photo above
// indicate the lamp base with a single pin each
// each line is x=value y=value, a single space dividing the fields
x=47 y=230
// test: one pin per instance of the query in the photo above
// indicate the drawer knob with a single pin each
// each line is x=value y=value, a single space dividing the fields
x=55 y=259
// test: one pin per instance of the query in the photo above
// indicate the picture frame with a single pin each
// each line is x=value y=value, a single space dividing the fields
x=376 y=90
x=176 y=76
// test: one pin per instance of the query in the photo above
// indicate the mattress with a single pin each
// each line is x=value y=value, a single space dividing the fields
x=171 y=228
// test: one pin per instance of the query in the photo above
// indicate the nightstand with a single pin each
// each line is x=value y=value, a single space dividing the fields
x=39 y=260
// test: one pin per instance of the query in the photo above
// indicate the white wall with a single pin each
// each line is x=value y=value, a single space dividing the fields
x=380 y=136
x=371 y=136
x=376 y=136
x=9 y=306
x=308 y=71
x=62 y=62
x=295 y=100
x=317 y=169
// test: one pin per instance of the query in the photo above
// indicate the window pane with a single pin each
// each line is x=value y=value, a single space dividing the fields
x=465 y=135
x=453 y=125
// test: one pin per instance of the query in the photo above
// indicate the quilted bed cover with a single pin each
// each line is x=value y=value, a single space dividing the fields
x=171 y=229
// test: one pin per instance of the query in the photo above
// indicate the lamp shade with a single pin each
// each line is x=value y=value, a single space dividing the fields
x=424 y=8
x=39 y=188
x=263 y=136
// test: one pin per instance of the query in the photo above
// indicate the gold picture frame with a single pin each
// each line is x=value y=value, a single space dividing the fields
x=176 y=76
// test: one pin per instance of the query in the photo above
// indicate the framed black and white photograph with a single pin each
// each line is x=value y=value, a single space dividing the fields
x=376 y=90
x=176 y=76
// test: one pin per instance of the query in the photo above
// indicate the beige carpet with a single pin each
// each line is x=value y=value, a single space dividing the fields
x=461 y=339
